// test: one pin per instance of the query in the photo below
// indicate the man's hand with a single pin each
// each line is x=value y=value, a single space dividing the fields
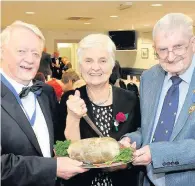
x=67 y=168
x=126 y=142
x=142 y=156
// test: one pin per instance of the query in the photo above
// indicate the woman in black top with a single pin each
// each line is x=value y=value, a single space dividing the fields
x=102 y=102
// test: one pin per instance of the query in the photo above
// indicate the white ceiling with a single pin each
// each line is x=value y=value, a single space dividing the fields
x=52 y=15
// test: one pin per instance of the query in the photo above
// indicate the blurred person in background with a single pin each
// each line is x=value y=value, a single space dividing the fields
x=45 y=64
x=116 y=73
x=66 y=64
x=55 y=65
x=40 y=77
x=65 y=84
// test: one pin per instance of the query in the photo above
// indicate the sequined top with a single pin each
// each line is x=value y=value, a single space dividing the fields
x=103 y=119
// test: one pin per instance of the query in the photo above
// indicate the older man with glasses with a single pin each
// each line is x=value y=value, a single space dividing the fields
x=166 y=140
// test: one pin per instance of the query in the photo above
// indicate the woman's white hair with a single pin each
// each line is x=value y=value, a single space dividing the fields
x=100 y=41
x=6 y=33
x=172 y=22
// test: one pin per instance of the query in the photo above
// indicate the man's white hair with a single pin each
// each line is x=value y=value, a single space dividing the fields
x=172 y=22
x=6 y=33
x=97 y=41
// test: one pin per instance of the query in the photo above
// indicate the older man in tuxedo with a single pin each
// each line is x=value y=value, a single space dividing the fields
x=167 y=96
x=28 y=114
x=56 y=66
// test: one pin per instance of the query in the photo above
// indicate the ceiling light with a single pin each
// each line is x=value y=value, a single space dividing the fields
x=64 y=45
x=30 y=13
x=156 y=4
x=113 y=16
x=87 y=23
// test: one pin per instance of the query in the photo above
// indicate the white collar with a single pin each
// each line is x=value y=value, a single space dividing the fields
x=187 y=75
x=17 y=86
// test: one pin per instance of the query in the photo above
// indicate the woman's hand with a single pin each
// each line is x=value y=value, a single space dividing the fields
x=76 y=106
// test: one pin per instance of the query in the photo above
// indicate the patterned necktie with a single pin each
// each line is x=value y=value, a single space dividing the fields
x=168 y=113
x=35 y=88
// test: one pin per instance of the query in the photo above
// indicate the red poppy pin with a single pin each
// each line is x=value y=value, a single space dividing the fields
x=120 y=118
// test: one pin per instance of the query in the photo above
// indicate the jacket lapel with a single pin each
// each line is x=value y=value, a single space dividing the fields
x=184 y=113
x=117 y=107
x=153 y=94
x=10 y=104
x=43 y=102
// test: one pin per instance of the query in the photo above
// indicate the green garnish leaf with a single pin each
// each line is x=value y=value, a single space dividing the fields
x=124 y=156
x=61 y=147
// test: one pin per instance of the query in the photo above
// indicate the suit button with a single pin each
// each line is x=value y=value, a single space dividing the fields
x=172 y=163
x=164 y=164
x=168 y=163
x=176 y=163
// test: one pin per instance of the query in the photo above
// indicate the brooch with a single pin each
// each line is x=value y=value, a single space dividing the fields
x=120 y=118
x=192 y=108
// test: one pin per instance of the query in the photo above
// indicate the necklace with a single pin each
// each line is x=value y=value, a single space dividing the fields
x=101 y=102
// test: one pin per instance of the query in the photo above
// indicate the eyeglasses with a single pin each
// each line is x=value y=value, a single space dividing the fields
x=178 y=50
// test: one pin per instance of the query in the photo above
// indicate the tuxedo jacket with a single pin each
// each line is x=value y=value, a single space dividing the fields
x=57 y=72
x=123 y=101
x=22 y=162
x=175 y=158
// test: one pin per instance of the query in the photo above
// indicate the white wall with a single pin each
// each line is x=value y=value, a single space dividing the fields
x=131 y=59
x=51 y=36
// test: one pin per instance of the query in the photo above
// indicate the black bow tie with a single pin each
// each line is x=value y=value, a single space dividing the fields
x=35 y=88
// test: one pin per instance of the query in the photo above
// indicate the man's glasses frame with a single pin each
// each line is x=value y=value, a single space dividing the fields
x=177 y=51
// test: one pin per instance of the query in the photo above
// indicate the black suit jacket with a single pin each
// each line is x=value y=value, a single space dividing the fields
x=123 y=101
x=57 y=72
x=22 y=163
x=45 y=64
